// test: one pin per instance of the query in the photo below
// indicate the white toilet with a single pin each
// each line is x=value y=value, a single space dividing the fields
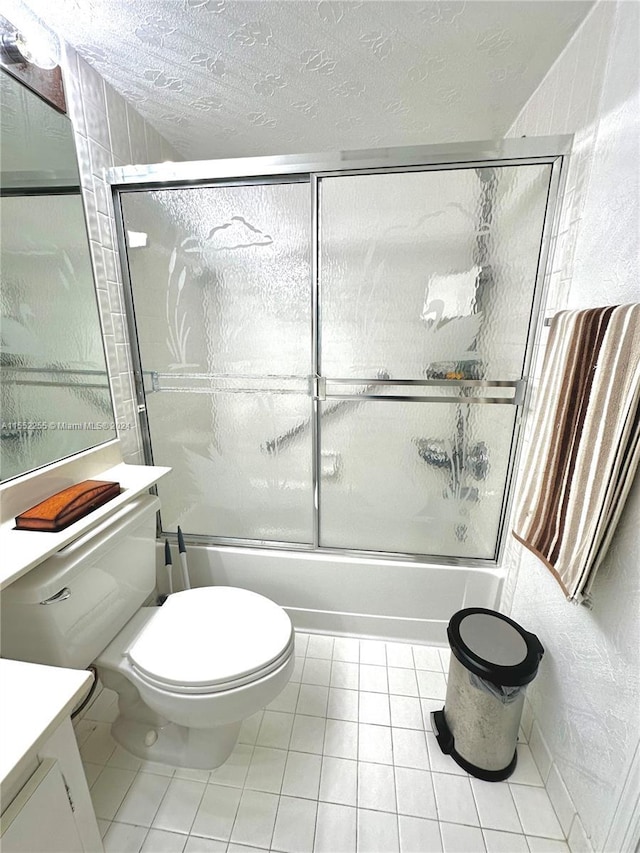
x=187 y=673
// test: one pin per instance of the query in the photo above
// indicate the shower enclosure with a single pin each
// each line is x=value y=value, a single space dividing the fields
x=332 y=352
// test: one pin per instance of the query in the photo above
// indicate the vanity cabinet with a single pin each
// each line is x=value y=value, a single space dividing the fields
x=45 y=797
x=41 y=816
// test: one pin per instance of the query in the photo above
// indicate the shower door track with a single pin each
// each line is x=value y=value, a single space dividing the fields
x=552 y=150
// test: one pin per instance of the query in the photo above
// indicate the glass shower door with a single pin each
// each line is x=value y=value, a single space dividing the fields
x=426 y=294
x=220 y=287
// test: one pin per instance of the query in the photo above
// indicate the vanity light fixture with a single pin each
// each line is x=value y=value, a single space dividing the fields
x=36 y=48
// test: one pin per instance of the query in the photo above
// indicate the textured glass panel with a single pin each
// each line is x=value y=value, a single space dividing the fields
x=55 y=398
x=238 y=471
x=420 y=478
x=429 y=274
x=223 y=283
x=223 y=311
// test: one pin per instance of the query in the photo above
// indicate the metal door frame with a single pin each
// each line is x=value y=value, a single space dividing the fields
x=552 y=150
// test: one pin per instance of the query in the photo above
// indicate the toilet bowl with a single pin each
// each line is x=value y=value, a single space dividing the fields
x=188 y=673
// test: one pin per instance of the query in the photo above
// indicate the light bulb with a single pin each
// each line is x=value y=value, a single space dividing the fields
x=36 y=47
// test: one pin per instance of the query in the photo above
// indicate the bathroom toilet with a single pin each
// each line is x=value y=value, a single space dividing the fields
x=187 y=673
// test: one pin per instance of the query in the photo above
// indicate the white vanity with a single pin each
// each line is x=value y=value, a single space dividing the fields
x=45 y=798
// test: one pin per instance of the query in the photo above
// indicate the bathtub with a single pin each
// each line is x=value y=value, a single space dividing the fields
x=390 y=599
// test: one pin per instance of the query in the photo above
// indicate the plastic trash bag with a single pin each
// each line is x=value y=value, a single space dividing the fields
x=503 y=693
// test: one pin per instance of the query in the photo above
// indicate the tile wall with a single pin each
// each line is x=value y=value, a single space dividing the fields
x=109 y=132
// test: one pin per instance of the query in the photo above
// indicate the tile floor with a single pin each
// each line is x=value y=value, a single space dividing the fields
x=343 y=760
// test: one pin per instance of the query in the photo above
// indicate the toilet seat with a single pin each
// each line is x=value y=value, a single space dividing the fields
x=176 y=650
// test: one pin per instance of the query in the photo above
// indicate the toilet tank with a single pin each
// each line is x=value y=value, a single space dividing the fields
x=65 y=611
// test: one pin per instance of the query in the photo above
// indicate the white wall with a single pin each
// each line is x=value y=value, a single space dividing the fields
x=585 y=699
x=109 y=132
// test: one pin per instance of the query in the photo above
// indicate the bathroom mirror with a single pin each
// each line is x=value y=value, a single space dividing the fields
x=55 y=398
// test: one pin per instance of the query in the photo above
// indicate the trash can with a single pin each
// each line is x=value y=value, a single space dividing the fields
x=492 y=660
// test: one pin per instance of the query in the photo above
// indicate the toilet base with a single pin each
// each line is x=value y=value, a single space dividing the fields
x=201 y=749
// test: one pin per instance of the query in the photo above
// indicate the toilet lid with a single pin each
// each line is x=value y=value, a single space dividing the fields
x=206 y=637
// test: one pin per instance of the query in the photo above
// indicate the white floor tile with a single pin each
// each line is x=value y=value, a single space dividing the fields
x=400 y=655
x=427 y=657
x=428 y=706
x=157 y=768
x=307 y=734
x=295 y=825
x=275 y=730
x=92 y=771
x=431 y=685
x=410 y=748
x=191 y=774
x=373 y=651
x=341 y=739
x=244 y=848
x=266 y=770
x=335 y=829
x=441 y=763
x=99 y=745
x=377 y=831
x=445 y=659
x=287 y=699
x=298 y=668
x=234 y=771
x=546 y=845
x=374 y=744
x=339 y=781
x=495 y=805
x=374 y=708
x=418 y=835
x=504 y=842
x=320 y=646
x=406 y=712
x=312 y=700
x=536 y=812
x=179 y=806
x=109 y=791
x=402 y=682
x=103 y=826
x=255 y=819
x=373 y=678
x=143 y=799
x=161 y=841
x=526 y=772
x=346 y=649
x=343 y=704
x=344 y=674
x=316 y=671
x=376 y=787
x=461 y=839
x=302 y=643
x=454 y=799
x=123 y=759
x=217 y=812
x=124 y=838
x=414 y=790
x=197 y=844
x=250 y=728
x=302 y=775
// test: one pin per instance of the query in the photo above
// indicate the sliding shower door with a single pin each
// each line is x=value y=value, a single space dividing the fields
x=427 y=284
x=336 y=358
x=220 y=284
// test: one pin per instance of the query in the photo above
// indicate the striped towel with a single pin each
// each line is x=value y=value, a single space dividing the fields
x=585 y=445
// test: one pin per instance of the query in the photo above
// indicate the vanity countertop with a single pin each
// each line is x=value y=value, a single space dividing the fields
x=35 y=700
x=23 y=549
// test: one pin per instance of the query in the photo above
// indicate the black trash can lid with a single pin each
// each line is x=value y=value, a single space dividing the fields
x=496 y=648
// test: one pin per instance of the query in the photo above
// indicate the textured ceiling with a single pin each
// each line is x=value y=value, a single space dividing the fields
x=222 y=78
